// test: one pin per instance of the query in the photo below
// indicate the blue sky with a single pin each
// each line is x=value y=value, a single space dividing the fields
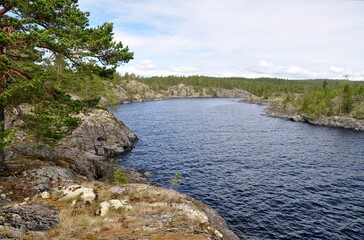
x=296 y=39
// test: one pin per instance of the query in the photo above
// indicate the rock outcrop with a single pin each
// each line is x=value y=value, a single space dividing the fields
x=135 y=91
x=130 y=91
x=14 y=221
x=275 y=109
x=48 y=178
x=183 y=91
x=152 y=213
x=332 y=121
x=122 y=211
x=86 y=149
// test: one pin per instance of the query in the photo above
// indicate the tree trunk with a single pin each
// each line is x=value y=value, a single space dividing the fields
x=2 y=117
x=2 y=129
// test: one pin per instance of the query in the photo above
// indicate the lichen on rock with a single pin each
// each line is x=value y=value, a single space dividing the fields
x=37 y=217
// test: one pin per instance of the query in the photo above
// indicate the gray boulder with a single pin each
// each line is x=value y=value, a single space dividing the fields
x=29 y=218
x=50 y=177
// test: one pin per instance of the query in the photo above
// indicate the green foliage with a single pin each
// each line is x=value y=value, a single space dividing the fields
x=347 y=100
x=119 y=177
x=358 y=112
x=48 y=120
x=47 y=47
x=287 y=100
x=176 y=180
x=324 y=84
x=7 y=136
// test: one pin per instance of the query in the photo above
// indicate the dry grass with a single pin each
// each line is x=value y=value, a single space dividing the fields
x=75 y=224
x=138 y=193
x=153 y=215
x=150 y=209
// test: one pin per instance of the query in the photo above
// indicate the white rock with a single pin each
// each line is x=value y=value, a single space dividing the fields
x=73 y=187
x=192 y=213
x=88 y=195
x=116 y=204
x=3 y=195
x=26 y=199
x=16 y=216
x=74 y=191
x=73 y=203
x=45 y=195
x=218 y=234
x=104 y=208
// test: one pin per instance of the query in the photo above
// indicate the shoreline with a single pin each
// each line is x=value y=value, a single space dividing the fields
x=76 y=180
x=331 y=122
x=134 y=91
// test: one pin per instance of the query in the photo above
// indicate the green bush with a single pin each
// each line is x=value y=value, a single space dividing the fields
x=119 y=177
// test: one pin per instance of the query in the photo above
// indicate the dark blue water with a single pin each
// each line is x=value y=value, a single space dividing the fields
x=268 y=177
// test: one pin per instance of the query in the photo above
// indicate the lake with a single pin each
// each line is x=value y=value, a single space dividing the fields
x=268 y=177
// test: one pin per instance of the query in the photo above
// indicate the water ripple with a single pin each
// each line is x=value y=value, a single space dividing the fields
x=269 y=178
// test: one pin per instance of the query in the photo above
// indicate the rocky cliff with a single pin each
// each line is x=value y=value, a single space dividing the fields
x=67 y=191
x=85 y=150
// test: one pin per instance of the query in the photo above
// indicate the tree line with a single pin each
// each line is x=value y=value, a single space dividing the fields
x=313 y=98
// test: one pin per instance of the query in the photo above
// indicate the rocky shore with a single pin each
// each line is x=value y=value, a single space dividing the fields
x=274 y=109
x=332 y=121
x=69 y=191
x=135 y=91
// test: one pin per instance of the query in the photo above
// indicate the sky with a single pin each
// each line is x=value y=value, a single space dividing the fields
x=291 y=39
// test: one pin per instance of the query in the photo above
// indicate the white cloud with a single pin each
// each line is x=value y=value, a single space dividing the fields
x=304 y=38
x=268 y=68
x=266 y=65
x=335 y=69
x=147 y=68
x=184 y=69
x=146 y=65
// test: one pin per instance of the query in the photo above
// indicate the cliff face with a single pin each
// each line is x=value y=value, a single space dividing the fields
x=86 y=149
x=66 y=191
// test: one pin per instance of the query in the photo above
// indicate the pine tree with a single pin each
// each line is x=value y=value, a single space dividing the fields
x=347 y=99
x=57 y=29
